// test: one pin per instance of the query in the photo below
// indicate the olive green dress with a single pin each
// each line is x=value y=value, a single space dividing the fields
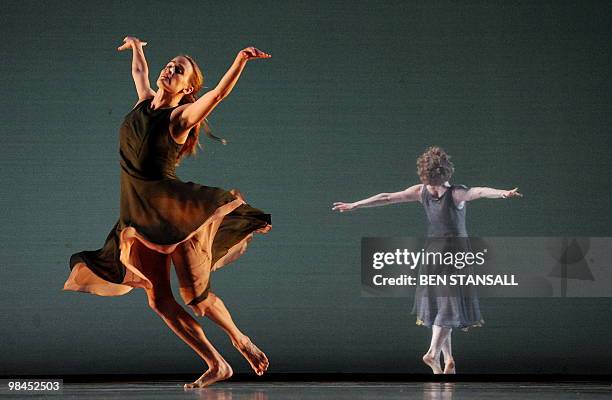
x=161 y=214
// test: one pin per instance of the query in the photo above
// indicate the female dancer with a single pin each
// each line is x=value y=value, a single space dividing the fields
x=163 y=219
x=445 y=208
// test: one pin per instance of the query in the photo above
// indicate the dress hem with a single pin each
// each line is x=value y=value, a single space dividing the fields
x=84 y=279
x=465 y=328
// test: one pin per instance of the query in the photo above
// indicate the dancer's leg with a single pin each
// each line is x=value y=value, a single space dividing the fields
x=432 y=357
x=217 y=312
x=192 y=262
x=156 y=268
x=447 y=352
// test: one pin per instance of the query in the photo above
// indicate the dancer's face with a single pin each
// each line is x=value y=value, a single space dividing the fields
x=175 y=76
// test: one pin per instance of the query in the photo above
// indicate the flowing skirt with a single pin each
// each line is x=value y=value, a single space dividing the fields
x=447 y=305
x=200 y=228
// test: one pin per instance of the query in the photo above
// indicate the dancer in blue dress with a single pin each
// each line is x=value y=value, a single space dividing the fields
x=441 y=308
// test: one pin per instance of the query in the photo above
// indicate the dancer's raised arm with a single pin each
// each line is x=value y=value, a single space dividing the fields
x=461 y=195
x=140 y=70
x=191 y=114
x=382 y=199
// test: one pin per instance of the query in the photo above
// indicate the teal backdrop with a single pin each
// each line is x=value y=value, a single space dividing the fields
x=518 y=92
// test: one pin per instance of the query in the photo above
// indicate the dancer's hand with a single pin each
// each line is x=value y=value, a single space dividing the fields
x=251 y=53
x=343 y=207
x=511 y=193
x=129 y=42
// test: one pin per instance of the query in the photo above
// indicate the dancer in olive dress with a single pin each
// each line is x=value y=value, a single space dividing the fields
x=441 y=308
x=164 y=220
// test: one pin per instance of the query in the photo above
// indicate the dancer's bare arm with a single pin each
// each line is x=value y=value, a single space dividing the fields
x=460 y=195
x=189 y=115
x=413 y=193
x=140 y=70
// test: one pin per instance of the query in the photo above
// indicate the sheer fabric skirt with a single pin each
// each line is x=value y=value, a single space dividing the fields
x=449 y=306
x=124 y=261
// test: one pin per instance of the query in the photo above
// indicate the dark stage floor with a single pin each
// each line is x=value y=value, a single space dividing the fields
x=329 y=390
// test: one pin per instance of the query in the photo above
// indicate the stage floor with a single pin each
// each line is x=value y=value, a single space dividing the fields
x=170 y=390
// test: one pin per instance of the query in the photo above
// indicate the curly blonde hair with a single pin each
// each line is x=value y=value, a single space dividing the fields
x=434 y=166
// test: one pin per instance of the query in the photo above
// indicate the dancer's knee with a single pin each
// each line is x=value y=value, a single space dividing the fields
x=162 y=305
x=209 y=302
x=205 y=306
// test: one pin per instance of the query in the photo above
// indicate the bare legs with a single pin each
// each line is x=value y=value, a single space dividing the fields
x=156 y=268
x=432 y=357
x=447 y=352
x=218 y=313
x=191 y=333
x=214 y=308
x=440 y=342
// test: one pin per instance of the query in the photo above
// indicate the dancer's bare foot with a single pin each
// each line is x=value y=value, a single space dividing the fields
x=432 y=363
x=258 y=360
x=220 y=373
x=449 y=367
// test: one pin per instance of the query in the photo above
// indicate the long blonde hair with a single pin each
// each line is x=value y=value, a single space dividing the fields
x=193 y=139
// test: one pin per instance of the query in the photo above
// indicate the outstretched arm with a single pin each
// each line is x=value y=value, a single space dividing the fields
x=461 y=195
x=413 y=193
x=140 y=70
x=193 y=113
